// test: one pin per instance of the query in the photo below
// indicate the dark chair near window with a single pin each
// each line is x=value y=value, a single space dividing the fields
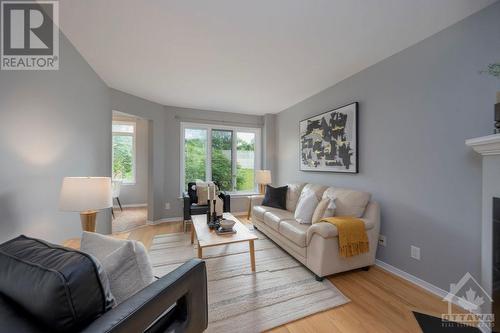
x=191 y=206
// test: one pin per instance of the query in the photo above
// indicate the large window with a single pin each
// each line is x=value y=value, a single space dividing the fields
x=124 y=151
x=228 y=155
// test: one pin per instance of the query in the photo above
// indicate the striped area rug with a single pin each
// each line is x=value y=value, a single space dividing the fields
x=280 y=291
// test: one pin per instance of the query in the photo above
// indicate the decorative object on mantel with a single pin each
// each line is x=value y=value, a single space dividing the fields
x=329 y=141
x=86 y=195
x=493 y=70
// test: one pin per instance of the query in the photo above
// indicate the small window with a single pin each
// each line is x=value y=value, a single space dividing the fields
x=124 y=151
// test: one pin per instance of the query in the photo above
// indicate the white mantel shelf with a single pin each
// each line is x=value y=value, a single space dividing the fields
x=485 y=145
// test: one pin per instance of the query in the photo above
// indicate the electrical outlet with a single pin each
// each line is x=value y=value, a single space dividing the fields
x=167 y=205
x=415 y=252
x=382 y=240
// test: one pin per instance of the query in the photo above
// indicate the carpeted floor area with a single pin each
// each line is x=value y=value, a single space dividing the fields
x=129 y=218
x=280 y=291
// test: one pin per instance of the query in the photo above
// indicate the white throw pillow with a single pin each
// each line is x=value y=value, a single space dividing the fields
x=126 y=263
x=321 y=211
x=330 y=210
x=305 y=207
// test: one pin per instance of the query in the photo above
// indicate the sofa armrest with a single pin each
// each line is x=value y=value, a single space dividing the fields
x=226 y=200
x=256 y=200
x=371 y=216
x=186 y=199
x=324 y=229
x=177 y=302
x=371 y=219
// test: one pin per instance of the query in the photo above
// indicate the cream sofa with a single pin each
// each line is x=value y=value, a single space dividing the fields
x=316 y=245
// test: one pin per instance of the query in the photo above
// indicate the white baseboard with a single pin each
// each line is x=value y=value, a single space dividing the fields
x=165 y=220
x=131 y=206
x=412 y=278
x=417 y=281
x=180 y=218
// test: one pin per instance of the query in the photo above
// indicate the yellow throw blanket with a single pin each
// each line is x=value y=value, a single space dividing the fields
x=352 y=235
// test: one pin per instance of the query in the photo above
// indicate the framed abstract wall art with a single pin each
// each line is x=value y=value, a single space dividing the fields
x=329 y=141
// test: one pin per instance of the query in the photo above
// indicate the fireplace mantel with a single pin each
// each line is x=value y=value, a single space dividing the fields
x=485 y=145
x=489 y=148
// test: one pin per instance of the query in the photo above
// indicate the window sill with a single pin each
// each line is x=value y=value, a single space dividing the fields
x=234 y=195
x=242 y=195
x=129 y=184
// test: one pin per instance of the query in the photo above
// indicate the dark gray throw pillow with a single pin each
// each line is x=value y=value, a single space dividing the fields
x=275 y=197
x=63 y=288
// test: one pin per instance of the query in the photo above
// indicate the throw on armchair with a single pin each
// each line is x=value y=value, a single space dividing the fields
x=191 y=206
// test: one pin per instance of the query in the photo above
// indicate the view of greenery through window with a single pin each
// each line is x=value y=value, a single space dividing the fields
x=123 y=153
x=221 y=159
x=222 y=172
x=245 y=151
x=195 y=155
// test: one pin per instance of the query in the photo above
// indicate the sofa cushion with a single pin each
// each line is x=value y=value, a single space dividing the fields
x=321 y=210
x=328 y=230
x=202 y=193
x=275 y=197
x=292 y=196
x=294 y=231
x=317 y=189
x=305 y=207
x=126 y=263
x=272 y=219
x=62 y=288
x=14 y=318
x=348 y=202
x=259 y=211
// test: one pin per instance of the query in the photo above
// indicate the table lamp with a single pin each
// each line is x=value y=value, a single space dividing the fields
x=263 y=177
x=86 y=195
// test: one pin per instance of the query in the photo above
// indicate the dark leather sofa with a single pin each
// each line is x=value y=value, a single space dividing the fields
x=176 y=302
x=191 y=206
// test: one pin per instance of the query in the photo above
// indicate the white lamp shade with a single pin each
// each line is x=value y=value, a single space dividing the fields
x=263 y=177
x=80 y=194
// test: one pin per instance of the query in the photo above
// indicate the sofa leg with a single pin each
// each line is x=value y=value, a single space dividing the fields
x=318 y=278
x=366 y=268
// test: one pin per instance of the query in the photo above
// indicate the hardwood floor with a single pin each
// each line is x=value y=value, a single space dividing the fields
x=380 y=301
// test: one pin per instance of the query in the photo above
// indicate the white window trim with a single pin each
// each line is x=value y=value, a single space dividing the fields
x=134 y=151
x=208 y=171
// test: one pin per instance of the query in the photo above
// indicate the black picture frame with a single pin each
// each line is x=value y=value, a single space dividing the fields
x=329 y=161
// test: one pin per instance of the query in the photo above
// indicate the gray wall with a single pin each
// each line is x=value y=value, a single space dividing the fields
x=416 y=109
x=137 y=193
x=166 y=146
x=52 y=124
x=269 y=145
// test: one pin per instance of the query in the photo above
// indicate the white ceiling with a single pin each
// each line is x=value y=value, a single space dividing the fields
x=246 y=56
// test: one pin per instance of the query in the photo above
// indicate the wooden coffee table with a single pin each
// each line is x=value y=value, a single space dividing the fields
x=208 y=238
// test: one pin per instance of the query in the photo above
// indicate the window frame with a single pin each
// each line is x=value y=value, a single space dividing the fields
x=208 y=168
x=134 y=151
